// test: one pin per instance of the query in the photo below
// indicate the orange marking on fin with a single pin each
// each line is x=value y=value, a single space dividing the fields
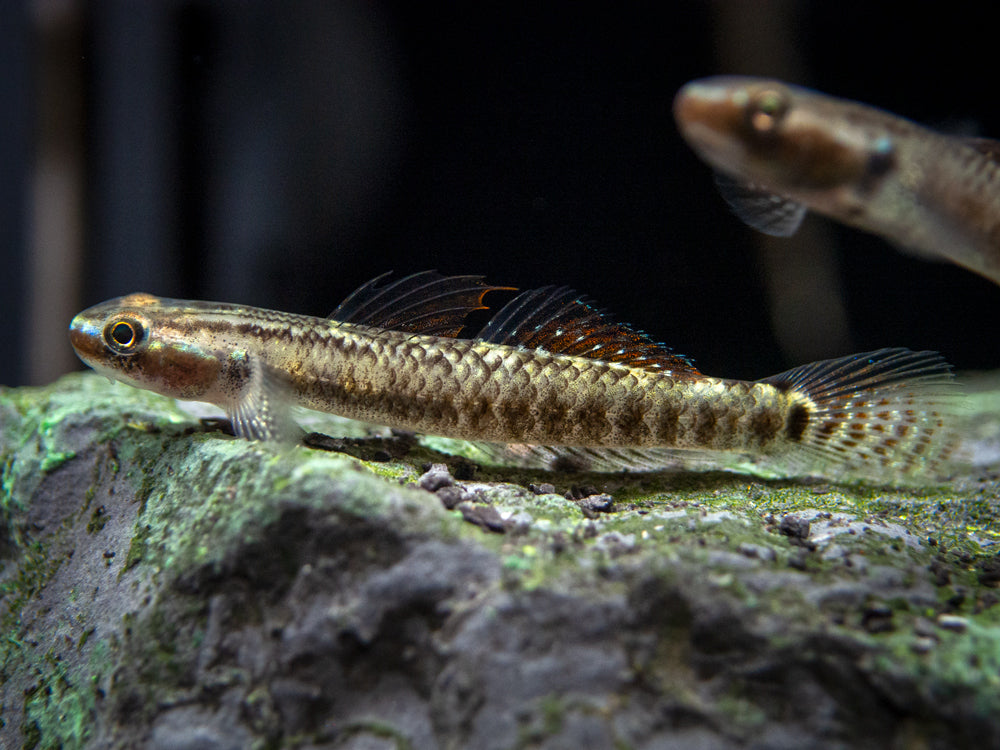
x=557 y=320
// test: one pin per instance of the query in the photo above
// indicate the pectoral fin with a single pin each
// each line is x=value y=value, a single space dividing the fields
x=766 y=212
x=261 y=410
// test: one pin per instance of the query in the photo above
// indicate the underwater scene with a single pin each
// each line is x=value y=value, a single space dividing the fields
x=388 y=375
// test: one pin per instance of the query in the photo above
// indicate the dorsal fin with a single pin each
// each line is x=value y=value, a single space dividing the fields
x=559 y=321
x=986 y=146
x=425 y=302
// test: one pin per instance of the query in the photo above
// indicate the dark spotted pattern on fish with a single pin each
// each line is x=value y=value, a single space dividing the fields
x=619 y=400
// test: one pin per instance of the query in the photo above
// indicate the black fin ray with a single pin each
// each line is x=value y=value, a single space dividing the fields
x=426 y=302
x=521 y=313
x=764 y=211
x=559 y=321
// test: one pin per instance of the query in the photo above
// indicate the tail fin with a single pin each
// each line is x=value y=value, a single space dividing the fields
x=883 y=415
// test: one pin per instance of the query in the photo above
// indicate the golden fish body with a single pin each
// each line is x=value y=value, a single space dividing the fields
x=593 y=384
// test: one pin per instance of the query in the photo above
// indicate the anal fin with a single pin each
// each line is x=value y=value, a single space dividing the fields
x=603 y=460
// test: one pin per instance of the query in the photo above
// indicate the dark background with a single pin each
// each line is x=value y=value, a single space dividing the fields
x=279 y=154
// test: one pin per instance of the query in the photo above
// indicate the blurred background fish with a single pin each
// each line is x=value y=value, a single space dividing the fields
x=780 y=150
x=279 y=154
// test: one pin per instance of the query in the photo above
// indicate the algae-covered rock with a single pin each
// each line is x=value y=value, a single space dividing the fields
x=165 y=585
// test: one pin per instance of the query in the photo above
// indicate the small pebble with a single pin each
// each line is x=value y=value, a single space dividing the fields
x=988 y=572
x=794 y=527
x=596 y=503
x=436 y=477
x=757 y=551
x=451 y=495
x=952 y=622
x=484 y=516
x=577 y=492
x=544 y=488
x=922 y=645
x=877 y=618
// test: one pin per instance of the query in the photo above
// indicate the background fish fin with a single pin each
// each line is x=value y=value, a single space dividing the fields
x=560 y=321
x=985 y=146
x=766 y=212
x=426 y=302
x=263 y=409
x=930 y=256
x=883 y=415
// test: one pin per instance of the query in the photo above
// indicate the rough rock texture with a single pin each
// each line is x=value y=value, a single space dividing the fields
x=166 y=586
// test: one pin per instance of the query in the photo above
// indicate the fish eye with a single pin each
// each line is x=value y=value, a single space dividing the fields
x=123 y=335
x=766 y=110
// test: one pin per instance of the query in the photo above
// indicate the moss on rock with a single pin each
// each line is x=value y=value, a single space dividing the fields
x=164 y=584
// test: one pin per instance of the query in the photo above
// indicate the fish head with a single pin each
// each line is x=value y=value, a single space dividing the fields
x=142 y=340
x=776 y=136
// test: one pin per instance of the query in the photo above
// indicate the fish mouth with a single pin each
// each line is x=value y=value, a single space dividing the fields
x=698 y=98
x=708 y=118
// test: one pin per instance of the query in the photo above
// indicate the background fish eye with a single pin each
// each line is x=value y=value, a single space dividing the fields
x=767 y=109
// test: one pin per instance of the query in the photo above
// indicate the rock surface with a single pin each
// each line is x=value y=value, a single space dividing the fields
x=166 y=586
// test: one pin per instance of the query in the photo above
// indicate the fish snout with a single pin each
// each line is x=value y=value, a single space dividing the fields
x=710 y=120
x=86 y=339
x=705 y=102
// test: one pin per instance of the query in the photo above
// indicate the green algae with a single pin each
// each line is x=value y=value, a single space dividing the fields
x=199 y=495
x=378 y=729
x=177 y=527
x=61 y=710
x=961 y=666
x=53 y=460
x=184 y=525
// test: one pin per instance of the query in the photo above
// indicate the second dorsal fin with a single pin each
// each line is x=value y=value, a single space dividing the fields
x=425 y=302
x=559 y=321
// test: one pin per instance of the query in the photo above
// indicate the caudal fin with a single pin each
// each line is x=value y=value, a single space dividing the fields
x=883 y=415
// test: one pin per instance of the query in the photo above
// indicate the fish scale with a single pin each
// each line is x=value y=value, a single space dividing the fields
x=631 y=404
